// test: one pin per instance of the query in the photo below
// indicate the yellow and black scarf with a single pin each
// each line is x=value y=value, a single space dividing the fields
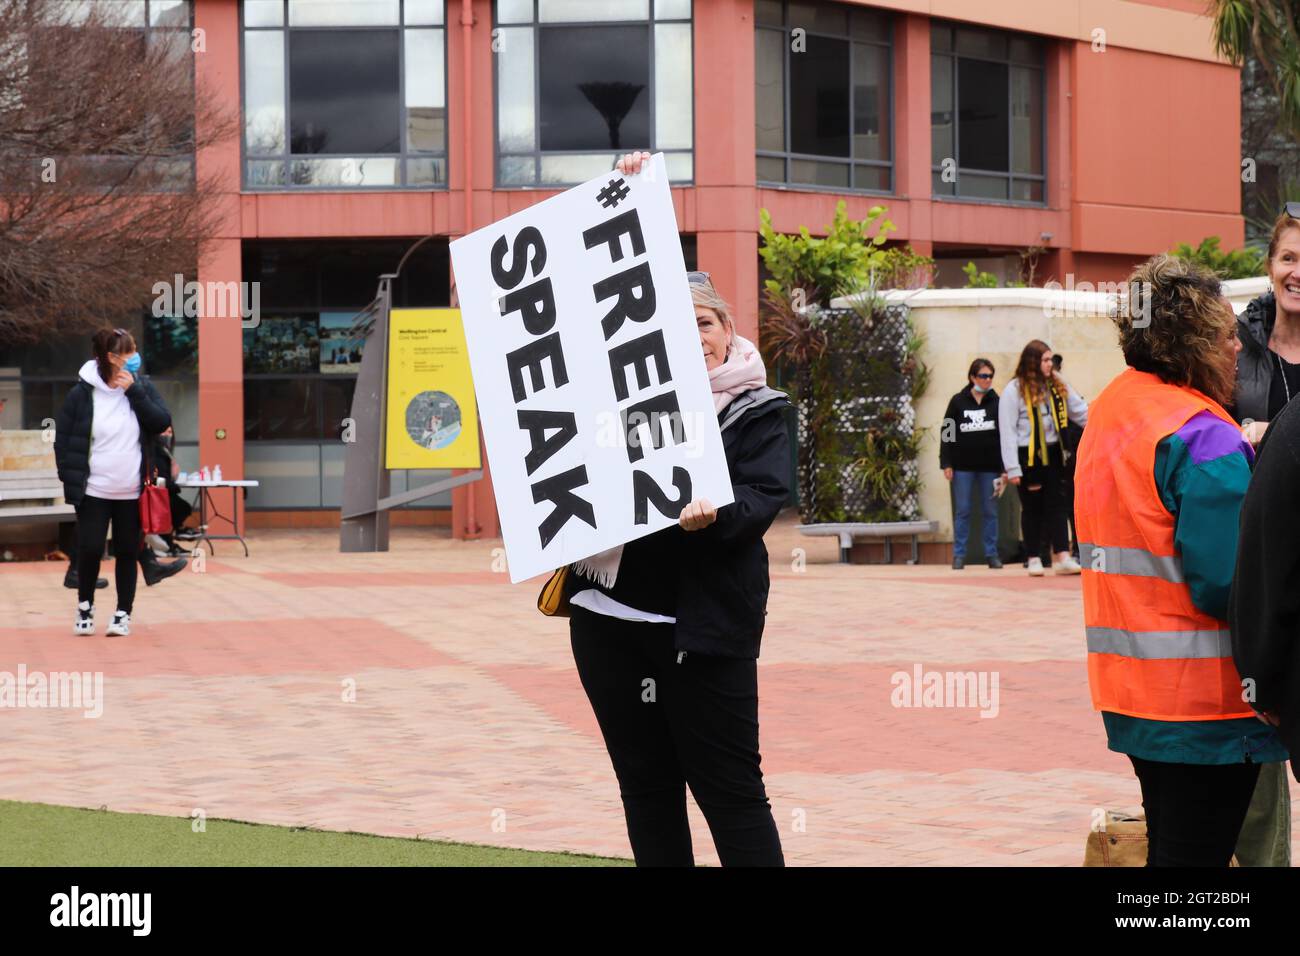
x=1037 y=438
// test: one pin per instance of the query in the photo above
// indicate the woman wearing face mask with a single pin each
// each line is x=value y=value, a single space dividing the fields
x=970 y=457
x=105 y=421
x=1035 y=408
x=666 y=629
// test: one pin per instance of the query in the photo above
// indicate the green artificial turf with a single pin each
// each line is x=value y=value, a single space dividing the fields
x=36 y=834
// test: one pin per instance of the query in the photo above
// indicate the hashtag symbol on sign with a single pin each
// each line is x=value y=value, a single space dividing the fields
x=612 y=194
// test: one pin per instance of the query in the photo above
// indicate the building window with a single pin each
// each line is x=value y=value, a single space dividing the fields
x=823 y=97
x=341 y=94
x=987 y=103
x=580 y=81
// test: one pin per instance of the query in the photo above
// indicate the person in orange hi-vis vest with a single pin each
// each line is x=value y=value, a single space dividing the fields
x=1162 y=471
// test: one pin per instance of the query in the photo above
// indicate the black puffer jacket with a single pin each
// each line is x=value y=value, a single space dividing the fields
x=1254 y=364
x=715 y=581
x=72 y=430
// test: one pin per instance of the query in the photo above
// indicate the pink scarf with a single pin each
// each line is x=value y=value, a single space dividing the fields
x=742 y=371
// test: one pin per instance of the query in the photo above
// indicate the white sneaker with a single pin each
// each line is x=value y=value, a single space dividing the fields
x=85 y=622
x=1068 y=566
x=121 y=626
x=1036 y=567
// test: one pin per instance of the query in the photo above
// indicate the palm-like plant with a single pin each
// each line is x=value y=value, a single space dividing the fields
x=1266 y=29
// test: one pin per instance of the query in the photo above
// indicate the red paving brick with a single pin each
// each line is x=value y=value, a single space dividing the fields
x=417 y=693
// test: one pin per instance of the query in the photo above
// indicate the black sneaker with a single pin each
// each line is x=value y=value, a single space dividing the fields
x=187 y=534
x=958 y=563
x=995 y=562
x=155 y=571
x=71 y=579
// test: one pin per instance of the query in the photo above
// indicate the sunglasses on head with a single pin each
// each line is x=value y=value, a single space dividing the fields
x=698 y=278
x=1292 y=209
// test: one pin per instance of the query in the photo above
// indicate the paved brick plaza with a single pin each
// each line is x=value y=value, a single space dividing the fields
x=468 y=712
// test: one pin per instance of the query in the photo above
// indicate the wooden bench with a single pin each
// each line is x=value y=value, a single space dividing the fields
x=849 y=531
x=29 y=497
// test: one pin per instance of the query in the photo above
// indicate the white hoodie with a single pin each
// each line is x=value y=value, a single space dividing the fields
x=114 y=441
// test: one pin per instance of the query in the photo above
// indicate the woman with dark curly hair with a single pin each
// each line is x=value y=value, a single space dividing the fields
x=1161 y=476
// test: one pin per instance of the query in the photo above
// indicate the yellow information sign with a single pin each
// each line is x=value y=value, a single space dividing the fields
x=432 y=417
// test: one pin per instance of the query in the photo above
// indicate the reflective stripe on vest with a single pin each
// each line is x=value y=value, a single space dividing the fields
x=1131 y=561
x=1159 y=645
x=1151 y=652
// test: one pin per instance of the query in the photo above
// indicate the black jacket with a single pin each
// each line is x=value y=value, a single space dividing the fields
x=1254 y=361
x=715 y=580
x=1264 y=605
x=970 y=443
x=73 y=425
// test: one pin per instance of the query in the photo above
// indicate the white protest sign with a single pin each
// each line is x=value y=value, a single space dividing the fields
x=592 y=390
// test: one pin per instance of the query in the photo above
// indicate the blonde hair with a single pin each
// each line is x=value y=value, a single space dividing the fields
x=703 y=294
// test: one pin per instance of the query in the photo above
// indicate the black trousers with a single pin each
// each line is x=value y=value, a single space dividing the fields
x=670 y=725
x=94 y=515
x=1194 y=811
x=1042 y=512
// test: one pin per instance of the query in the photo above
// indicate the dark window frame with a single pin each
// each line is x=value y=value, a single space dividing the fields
x=1009 y=61
x=286 y=157
x=537 y=153
x=787 y=155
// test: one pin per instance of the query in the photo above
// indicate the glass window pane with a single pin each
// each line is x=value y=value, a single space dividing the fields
x=941 y=115
x=1027 y=120
x=819 y=174
x=332 y=459
x=426 y=113
x=340 y=350
x=982 y=121
x=1027 y=190
x=343 y=91
x=674 y=103
x=568 y=11
x=1026 y=50
x=672 y=9
x=982 y=187
x=768 y=11
x=516 y=125
x=871 y=177
x=343 y=13
x=940 y=37
x=819 y=17
x=869 y=25
x=263 y=13
x=560 y=170
x=264 y=172
x=182 y=399
x=171 y=345
x=287 y=344
x=681 y=167
x=987 y=43
x=771 y=169
x=819 y=85
x=595 y=88
x=514 y=11
x=175 y=45
x=264 y=91
x=429 y=171
x=169 y=13
x=516 y=171
x=279 y=408
x=769 y=90
x=345 y=172
x=423 y=13
x=940 y=188
x=288 y=476
x=870 y=102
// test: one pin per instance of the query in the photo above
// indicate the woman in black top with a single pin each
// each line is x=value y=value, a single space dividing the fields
x=666 y=629
x=971 y=459
x=1268 y=366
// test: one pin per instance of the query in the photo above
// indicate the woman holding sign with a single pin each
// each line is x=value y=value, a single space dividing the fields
x=666 y=629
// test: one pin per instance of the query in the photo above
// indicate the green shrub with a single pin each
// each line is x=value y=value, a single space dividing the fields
x=1238 y=264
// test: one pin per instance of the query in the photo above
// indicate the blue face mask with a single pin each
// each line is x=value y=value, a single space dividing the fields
x=981 y=388
x=133 y=363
